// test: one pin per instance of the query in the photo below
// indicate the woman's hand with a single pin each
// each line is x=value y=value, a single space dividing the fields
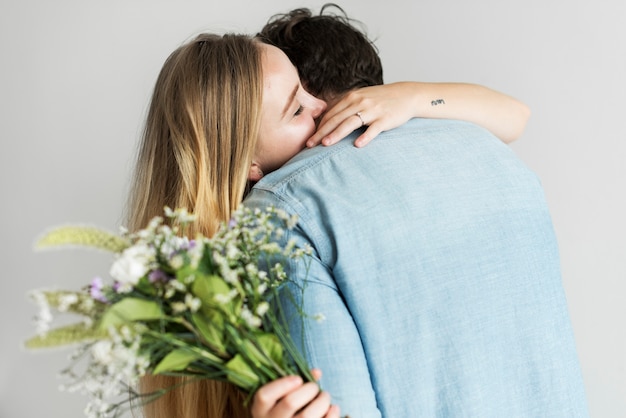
x=388 y=106
x=379 y=107
x=289 y=397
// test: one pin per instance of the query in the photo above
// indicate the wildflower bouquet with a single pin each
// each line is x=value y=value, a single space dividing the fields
x=176 y=306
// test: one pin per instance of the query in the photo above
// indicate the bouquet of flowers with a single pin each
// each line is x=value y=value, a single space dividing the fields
x=178 y=306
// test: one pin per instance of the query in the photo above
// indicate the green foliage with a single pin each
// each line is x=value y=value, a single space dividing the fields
x=71 y=334
x=241 y=374
x=210 y=325
x=82 y=236
x=176 y=360
x=130 y=310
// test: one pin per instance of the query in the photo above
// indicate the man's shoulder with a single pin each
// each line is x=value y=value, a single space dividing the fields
x=416 y=135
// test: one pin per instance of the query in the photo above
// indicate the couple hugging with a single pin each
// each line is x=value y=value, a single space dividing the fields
x=434 y=259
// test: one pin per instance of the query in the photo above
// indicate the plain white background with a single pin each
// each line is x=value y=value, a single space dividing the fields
x=76 y=76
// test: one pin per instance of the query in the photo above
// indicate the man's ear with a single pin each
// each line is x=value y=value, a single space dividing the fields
x=255 y=173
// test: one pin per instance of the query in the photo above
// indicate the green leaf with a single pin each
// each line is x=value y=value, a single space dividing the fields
x=176 y=360
x=67 y=335
x=130 y=310
x=211 y=327
x=206 y=265
x=241 y=374
x=206 y=288
x=271 y=347
x=184 y=272
x=82 y=236
x=264 y=349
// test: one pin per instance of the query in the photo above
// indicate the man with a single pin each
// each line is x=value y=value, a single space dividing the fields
x=434 y=264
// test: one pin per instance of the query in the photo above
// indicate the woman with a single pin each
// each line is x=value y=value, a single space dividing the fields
x=226 y=109
x=197 y=149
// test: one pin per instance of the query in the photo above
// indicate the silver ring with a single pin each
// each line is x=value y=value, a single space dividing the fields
x=360 y=117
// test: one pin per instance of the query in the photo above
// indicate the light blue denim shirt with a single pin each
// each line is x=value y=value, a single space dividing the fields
x=436 y=270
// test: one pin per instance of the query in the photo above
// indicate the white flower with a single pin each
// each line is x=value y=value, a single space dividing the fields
x=290 y=220
x=251 y=269
x=187 y=280
x=279 y=272
x=67 y=300
x=154 y=224
x=126 y=334
x=102 y=352
x=180 y=214
x=87 y=304
x=176 y=285
x=44 y=317
x=178 y=307
x=133 y=264
x=124 y=288
x=225 y=298
x=169 y=292
x=262 y=288
x=113 y=365
x=232 y=252
x=271 y=248
x=174 y=244
x=195 y=253
x=192 y=302
x=262 y=308
x=249 y=318
x=177 y=262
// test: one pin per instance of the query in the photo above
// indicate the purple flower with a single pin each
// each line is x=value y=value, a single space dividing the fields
x=95 y=290
x=158 y=276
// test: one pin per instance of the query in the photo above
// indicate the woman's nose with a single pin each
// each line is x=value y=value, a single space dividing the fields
x=318 y=108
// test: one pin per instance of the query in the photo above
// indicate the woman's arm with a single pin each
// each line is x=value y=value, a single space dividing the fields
x=391 y=105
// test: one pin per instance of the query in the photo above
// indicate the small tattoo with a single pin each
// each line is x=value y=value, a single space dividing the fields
x=437 y=102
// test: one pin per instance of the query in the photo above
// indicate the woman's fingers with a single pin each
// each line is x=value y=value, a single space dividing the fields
x=289 y=397
x=370 y=133
x=334 y=128
x=338 y=131
x=270 y=394
x=317 y=374
x=305 y=396
x=333 y=412
x=379 y=107
x=316 y=408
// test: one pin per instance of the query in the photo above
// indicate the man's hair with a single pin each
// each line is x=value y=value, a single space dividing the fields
x=331 y=54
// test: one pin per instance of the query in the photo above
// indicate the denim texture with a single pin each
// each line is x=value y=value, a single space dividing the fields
x=436 y=269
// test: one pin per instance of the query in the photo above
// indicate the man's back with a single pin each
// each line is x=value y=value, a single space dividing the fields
x=436 y=267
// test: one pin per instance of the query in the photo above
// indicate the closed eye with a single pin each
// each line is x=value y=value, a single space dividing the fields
x=299 y=111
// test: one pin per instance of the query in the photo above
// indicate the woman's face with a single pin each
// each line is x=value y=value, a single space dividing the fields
x=288 y=112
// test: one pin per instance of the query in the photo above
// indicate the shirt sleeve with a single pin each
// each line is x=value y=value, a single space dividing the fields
x=324 y=330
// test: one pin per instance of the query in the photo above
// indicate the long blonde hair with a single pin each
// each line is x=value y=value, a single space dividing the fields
x=196 y=150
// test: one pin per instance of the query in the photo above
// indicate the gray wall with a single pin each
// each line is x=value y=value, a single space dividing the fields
x=75 y=81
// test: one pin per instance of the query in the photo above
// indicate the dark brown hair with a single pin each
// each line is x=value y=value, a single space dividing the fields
x=331 y=54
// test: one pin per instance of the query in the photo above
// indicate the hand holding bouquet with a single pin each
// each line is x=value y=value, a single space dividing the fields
x=177 y=306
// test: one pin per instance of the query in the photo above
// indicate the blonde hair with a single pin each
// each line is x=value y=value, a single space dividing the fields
x=196 y=150
x=201 y=131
